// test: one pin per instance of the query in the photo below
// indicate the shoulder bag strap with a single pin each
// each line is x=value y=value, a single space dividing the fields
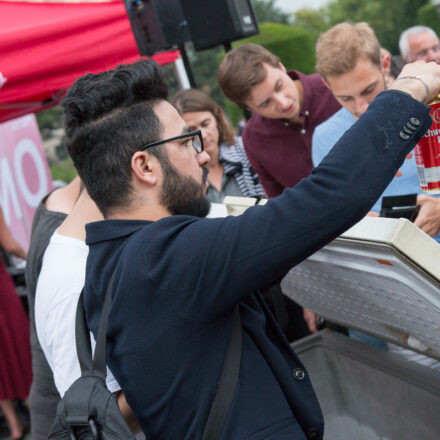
x=228 y=377
x=227 y=383
x=82 y=337
x=99 y=364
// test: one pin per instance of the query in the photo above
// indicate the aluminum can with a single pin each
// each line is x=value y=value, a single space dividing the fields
x=427 y=153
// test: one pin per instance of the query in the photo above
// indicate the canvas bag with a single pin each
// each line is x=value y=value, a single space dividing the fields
x=89 y=411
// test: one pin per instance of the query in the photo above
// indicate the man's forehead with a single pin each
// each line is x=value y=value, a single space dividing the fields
x=422 y=40
x=361 y=76
x=169 y=117
x=259 y=91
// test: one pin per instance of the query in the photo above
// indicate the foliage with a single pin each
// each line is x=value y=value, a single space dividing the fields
x=388 y=18
x=266 y=11
x=294 y=46
x=49 y=119
x=64 y=171
x=428 y=15
x=315 y=21
x=205 y=66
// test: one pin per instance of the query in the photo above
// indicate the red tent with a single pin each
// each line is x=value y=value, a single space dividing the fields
x=45 y=46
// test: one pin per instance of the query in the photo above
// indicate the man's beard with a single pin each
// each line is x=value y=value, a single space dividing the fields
x=182 y=194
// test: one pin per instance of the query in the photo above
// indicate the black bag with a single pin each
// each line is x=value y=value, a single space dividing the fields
x=89 y=411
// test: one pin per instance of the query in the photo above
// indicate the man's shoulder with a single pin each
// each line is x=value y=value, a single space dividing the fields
x=253 y=132
x=313 y=82
x=315 y=79
x=133 y=238
x=255 y=124
x=329 y=132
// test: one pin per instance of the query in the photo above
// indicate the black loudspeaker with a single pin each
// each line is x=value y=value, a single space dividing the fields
x=157 y=24
x=215 y=22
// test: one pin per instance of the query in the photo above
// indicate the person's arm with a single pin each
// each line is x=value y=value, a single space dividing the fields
x=8 y=242
x=239 y=255
x=127 y=413
x=233 y=257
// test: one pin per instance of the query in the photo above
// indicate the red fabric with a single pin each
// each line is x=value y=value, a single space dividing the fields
x=44 y=47
x=15 y=351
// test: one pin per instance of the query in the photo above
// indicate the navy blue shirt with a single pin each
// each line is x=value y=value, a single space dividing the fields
x=178 y=279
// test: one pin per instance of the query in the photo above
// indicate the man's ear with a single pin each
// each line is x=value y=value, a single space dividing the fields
x=281 y=66
x=385 y=62
x=145 y=167
x=325 y=82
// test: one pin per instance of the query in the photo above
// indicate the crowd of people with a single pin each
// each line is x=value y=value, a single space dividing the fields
x=148 y=171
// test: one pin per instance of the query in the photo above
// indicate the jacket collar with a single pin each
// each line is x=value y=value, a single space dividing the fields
x=106 y=230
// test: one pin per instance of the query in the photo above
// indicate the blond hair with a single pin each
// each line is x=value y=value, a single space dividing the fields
x=340 y=48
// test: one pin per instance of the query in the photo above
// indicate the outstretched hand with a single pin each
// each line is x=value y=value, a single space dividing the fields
x=421 y=80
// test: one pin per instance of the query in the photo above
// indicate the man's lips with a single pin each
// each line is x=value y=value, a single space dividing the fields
x=290 y=108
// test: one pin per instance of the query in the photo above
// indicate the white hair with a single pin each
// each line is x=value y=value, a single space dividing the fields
x=403 y=40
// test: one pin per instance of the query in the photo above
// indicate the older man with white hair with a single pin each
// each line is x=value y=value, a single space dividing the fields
x=419 y=43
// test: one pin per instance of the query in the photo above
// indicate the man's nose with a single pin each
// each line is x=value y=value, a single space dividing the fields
x=204 y=133
x=361 y=106
x=203 y=158
x=281 y=101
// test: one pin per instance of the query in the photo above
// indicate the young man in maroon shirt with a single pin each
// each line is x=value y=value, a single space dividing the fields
x=287 y=106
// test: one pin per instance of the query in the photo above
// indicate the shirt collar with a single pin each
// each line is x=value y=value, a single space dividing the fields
x=307 y=98
x=105 y=230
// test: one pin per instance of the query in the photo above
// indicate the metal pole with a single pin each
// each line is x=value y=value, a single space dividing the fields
x=187 y=65
x=182 y=76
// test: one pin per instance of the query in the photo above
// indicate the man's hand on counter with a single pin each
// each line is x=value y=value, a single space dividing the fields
x=428 y=219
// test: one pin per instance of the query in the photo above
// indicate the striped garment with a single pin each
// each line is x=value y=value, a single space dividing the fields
x=235 y=163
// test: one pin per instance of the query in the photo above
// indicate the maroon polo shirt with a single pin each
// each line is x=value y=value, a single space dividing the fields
x=280 y=151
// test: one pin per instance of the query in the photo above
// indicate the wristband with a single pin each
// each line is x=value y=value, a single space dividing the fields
x=418 y=77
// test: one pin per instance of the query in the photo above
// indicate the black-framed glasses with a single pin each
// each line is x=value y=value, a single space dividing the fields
x=196 y=138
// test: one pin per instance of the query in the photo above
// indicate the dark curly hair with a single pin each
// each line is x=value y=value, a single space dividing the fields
x=107 y=117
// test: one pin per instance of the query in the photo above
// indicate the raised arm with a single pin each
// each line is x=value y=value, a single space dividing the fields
x=239 y=255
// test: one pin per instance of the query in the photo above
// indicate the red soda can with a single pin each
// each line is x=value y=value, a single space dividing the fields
x=427 y=153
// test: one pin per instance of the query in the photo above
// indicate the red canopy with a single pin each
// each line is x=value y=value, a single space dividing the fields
x=44 y=47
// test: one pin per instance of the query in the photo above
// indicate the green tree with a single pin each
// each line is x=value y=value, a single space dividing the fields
x=315 y=21
x=64 y=171
x=294 y=46
x=49 y=119
x=266 y=11
x=388 y=18
x=205 y=66
x=428 y=15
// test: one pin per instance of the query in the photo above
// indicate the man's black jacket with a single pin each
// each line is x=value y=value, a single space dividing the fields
x=178 y=279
